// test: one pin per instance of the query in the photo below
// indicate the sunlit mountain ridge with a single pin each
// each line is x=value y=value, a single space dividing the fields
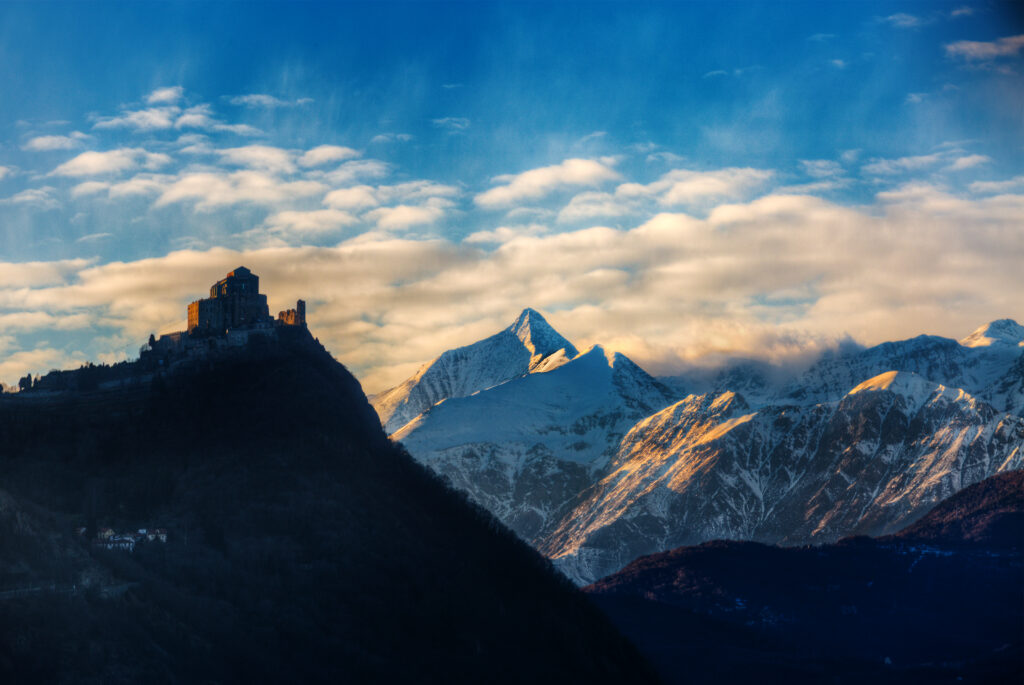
x=598 y=463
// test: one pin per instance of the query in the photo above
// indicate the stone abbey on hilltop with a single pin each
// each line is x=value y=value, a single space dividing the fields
x=235 y=302
x=234 y=315
x=235 y=311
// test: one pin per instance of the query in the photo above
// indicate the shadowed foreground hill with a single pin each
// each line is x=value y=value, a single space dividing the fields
x=302 y=545
x=940 y=602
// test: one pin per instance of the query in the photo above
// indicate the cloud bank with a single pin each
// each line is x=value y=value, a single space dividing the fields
x=770 y=278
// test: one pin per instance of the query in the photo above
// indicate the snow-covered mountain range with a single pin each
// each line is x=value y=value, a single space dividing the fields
x=527 y=447
x=595 y=462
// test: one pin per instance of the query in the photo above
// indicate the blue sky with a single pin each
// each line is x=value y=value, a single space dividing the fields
x=681 y=181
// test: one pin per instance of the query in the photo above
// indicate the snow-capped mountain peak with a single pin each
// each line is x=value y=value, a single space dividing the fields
x=915 y=390
x=898 y=383
x=539 y=337
x=525 y=448
x=529 y=345
x=999 y=332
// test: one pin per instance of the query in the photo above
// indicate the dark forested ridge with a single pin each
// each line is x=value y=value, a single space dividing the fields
x=301 y=544
x=940 y=602
x=988 y=514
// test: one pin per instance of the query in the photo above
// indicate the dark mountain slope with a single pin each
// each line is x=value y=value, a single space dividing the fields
x=940 y=602
x=989 y=513
x=302 y=545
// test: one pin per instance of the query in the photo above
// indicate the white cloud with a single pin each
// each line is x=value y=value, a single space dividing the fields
x=406 y=216
x=531 y=213
x=142 y=184
x=962 y=12
x=266 y=101
x=736 y=71
x=209 y=190
x=356 y=197
x=903 y=20
x=451 y=123
x=968 y=162
x=89 y=188
x=1015 y=184
x=94 y=237
x=165 y=96
x=151 y=119
x=901 y=165
x=594 y=205
x=201 y=117
x=537 y=183
x=111 y=162
x=46 y=143
x=37 y=320
x=838 y=63
x=195 y=144
x=690 y=186
x=504 y=234
x=915 y=98
x=192 y=139
x=41 y=198
x=685 y=186
x=415 y=190
x=237 y=129
x=5 y=171
x=821 y=168
x=313 y=222
x=666 y=157
x=16 y=275
x=391 y=138
x=358 y=169
x=814 y=187
x=264 y=157
x=763 y=278
x=325 y=154
x=973 y=51
x=363 y=197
